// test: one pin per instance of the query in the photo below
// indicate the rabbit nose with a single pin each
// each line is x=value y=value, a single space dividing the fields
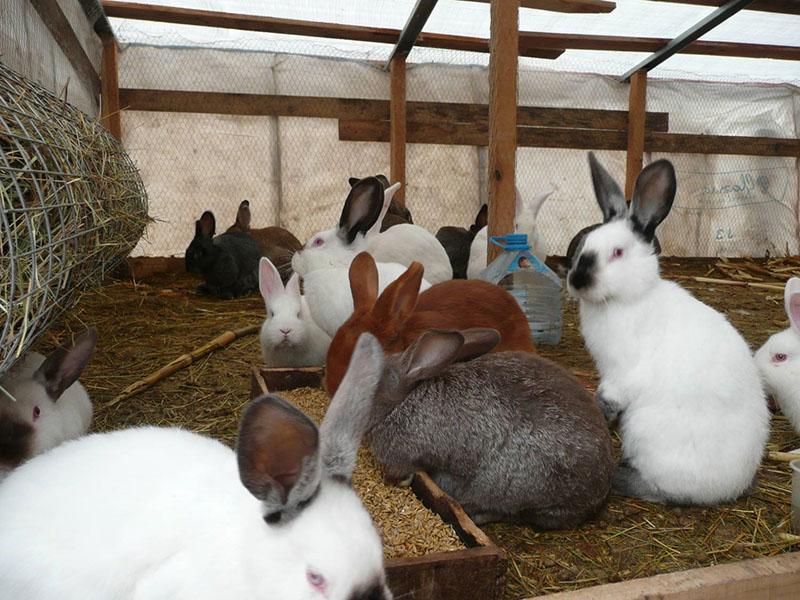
x=286 y=331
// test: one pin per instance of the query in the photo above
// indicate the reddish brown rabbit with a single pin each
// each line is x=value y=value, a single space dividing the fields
x=401 y=314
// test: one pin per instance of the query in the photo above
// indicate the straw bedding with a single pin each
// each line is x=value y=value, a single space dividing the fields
x=143 y=326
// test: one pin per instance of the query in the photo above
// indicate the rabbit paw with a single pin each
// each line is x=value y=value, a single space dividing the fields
x=628 y=481
x=607 y=403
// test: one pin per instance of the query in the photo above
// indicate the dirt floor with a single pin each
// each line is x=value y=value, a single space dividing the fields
x=144 y=325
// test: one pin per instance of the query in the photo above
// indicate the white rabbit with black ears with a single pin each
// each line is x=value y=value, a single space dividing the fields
x=154 y=513
x=779 y=358
x=692 y=413
x=289 y=336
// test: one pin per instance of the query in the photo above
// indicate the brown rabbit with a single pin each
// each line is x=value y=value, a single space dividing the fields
x=401 y=314
x=276 y=243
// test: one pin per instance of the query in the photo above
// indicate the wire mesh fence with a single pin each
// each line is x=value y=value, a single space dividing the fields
x=72 y=206
x=294 y=170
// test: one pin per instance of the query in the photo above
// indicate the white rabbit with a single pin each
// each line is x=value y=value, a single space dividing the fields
x=156 y=513
x=524 y=222
x=289 y=336
x=324 y=260
x=692 y=413
x=779 y=358
x=42 y=403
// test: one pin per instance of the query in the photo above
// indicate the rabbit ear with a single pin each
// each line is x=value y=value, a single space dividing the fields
x=243 y=215
x=609 y=195
x=431 y=354
x=534 y=205
x=348 y=415
x=277 y=453
x=293 y=285
x=482 y=218
x=477 y=342
x=364 y=281
x=208 y=224
x=269 y=280
x=791 y=298
x=652 y=197
x=63 y=367
x=383 y=179
x=398 y=300
x=353 y=180
x=362 y=209
x=388 y=194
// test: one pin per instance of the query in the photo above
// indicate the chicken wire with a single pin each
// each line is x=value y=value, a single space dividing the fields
x=73 y=206
x=294 y=170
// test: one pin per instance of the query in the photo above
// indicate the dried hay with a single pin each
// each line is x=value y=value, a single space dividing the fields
x=72 y=206
x=630 y=539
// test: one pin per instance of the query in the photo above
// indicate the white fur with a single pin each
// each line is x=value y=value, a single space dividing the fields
x=289 y=336
x=406 y=243
x=156 y=514
x=693 y=417
x=67 y=418
x=782 y=377
x=525 y=222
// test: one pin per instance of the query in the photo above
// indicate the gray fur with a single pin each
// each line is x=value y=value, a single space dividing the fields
x=608 y=406
x=607 y=191
x=510 y=435
x=628 y=481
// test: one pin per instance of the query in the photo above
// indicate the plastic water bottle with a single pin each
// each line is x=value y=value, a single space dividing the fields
x=532 y=283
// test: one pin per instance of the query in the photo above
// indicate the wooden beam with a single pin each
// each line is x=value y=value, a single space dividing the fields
x=361 y=109
x=702 y=27
x=60 y=29
x=575 y=41
x=464 y=134
x=637 y=106
x=774 y=578
x=109 y=97
x=412 y=29
x=206 y=18
x=504 y=43
x=566 y=6
x=790 y=7
x=397 y=126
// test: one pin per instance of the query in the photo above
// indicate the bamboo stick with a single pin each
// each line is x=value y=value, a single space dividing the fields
x=764 y=286
x=185 y=360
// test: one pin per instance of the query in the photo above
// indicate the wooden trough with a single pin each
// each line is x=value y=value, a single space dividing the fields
x=475 y=572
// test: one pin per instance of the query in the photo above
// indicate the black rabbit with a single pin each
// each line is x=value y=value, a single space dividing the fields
x=228 y=263
x=457 y=242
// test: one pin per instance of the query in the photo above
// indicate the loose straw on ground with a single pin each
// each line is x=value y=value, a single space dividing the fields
x=763 y=286
x=183 y=361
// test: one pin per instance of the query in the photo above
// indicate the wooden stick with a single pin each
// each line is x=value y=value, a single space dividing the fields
x=763 y=286
x=183 y=361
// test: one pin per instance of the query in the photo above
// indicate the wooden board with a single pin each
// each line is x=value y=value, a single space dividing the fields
x=397 y=126
x=566 y=6
x=476 y=572
x=637 y=103
x=381 y=35
x=109 y=107
x=774 y=578
x=588 y=139
x=362 y=109
x=791 y=7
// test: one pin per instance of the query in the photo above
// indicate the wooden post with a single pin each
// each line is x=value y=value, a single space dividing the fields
x=397 y=126
x=503 y=55
x=637 y=106
x=109 y=89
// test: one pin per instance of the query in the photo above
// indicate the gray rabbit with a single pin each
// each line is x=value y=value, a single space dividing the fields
x=511 y=435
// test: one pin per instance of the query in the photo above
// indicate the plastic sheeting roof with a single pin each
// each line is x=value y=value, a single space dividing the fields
x=640 y=18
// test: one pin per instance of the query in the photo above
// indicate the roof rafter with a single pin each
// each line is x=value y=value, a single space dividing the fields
x=412 y=29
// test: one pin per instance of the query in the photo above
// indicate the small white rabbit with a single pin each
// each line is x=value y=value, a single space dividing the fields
x=154 y=513
x=681 y=379
x=289 y=336
x=779 y=358
x=324 y=260
x=42 y=403
x=525 y=222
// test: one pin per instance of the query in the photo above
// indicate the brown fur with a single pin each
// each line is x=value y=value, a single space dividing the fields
x=401 y=314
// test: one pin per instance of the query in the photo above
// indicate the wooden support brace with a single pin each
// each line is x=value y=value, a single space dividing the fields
x=637 y=107
x=397 y=126
x=109 y=84
x=503 y=45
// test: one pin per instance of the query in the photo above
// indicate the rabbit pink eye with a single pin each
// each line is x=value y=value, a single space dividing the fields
x=36 y=412
x=617 y=253
x=779 y=358
x=317 y=242
x=316 y=580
